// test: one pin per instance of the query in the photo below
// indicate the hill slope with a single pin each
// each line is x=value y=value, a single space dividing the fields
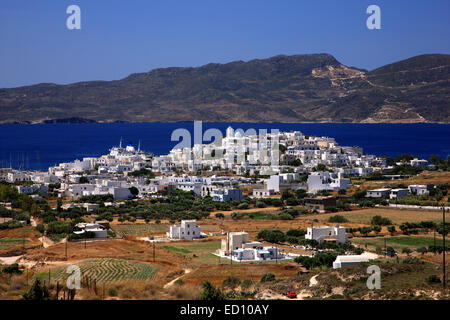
x=298 y=88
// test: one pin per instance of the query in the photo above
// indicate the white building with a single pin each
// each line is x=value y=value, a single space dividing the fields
x=30 y=189
x=187 y=230
x=225 y=194
x=318 y=181
x=377 y=193
x=419 y=189
x=398 y=193
x=350 y=260
x=97 y=229
x=263 y=193
x=325 y=233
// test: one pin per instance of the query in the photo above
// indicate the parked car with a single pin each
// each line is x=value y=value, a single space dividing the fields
x=290 y=294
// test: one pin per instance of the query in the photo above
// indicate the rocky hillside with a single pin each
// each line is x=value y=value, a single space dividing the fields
x=299 y=88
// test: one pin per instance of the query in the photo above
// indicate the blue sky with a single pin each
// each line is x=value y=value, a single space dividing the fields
x=120 y=37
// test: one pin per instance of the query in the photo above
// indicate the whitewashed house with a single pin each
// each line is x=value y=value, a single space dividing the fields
x=187 y=230
x=324 y=233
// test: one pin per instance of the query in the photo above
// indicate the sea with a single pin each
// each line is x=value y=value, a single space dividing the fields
x=38 y=146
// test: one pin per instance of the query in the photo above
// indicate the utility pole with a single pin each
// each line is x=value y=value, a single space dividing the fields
x=434 y=239
x=443 y=244
x=154 y=252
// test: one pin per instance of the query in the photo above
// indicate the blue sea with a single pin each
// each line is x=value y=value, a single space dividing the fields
x=39 y=146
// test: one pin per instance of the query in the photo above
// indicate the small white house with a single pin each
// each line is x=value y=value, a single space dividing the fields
x=325 y=233
x=97 y=229
x=398 y=193
x=418 y=163
x=263 y=193
x=350 y=260
x=225 y=194
x=378 y=193
x=419 y=189
x=187 y=230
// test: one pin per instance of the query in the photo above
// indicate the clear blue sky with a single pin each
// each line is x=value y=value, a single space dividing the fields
x=119 y=37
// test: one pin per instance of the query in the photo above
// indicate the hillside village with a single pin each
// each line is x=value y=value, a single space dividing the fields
x=280 y=205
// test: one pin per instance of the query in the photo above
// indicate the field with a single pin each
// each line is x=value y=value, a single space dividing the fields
x=106 y=270
x=399 y=243
x=397 y=216
x=140 y=230
x=198 y=252
x=6 y=243
x=217 y=273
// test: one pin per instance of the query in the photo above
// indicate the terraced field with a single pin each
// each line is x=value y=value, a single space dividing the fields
x=111 y=270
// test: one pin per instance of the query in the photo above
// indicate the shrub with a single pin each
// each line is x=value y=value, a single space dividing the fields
x=246 y=284
x=337 y=219
x=231 y=282
x=210 y=292
x=11 y=269
x=268 y=277
x=112 y=292
x=380 y=221
x=433 y=279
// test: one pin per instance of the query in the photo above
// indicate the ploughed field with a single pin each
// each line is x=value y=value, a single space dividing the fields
x=105 y=270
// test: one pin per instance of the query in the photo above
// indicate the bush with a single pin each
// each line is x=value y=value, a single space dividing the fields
x=220 y=215
x=268 y=277
x=433 y=279
x=243 y=206
x=40 y=228
x=274 y=236
x=210 y=292
x=246 y=284
x=231 y=282
x=11 y=269
x=337 y=219
x=380 y=221
x=112 y=292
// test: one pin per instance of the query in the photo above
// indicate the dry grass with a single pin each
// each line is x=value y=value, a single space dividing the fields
x=217 y=273
x=397 y=216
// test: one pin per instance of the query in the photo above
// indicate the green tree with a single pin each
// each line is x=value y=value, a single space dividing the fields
x=134 y=191
x=210 y=292
x=37 y=292
x=407 y=251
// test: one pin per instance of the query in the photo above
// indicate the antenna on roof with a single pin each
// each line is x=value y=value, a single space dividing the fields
x=120 y=145
x=139 y=146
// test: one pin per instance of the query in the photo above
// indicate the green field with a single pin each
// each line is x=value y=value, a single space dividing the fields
x=141 y=230
x=106 y=270
x=399 y=243
x=201 y=249
x=6 y=243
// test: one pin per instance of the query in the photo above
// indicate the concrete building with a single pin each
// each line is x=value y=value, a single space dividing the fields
x=99 y=230
x=350 y=260
x=335 y=234
x=320 y=204
x=419 y=189
x=187 y=230
x=318 y=181
x=263 y=193
x=378 y=193
x=225 y=194
x=398 y=193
